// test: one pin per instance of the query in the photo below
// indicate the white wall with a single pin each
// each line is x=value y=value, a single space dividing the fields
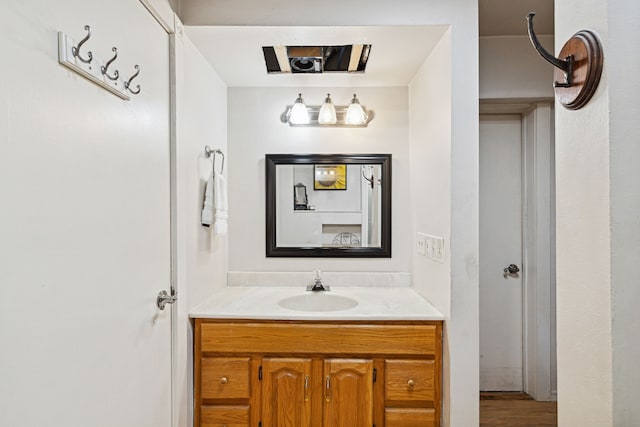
x=441 y=169
x=255 y=130
x=201 y=119
x=511 y=68
x=624 y=134
x=430 y=148
x=598 y=227
x=84 y=220
x=583 y=275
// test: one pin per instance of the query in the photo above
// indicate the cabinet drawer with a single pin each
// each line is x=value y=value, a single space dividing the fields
x=225 y=377
x=347 y=340
x=409 y=380
x=409 y=417
x=224 y=416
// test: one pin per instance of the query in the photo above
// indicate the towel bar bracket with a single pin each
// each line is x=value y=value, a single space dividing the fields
x=209 y=152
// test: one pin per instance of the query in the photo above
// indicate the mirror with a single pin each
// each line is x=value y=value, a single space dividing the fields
x=328 y=205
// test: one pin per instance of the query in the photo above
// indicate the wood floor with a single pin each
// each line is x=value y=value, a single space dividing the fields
x=499 y=409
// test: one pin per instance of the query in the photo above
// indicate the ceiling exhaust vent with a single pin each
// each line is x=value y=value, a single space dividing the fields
x=316 y=59
x=305 y=59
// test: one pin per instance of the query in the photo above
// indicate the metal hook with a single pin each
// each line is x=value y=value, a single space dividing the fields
x=76 y=49
x=106 y=66
x=565 y=65
x=127 y=84
x=209 y=152
x=369 y=180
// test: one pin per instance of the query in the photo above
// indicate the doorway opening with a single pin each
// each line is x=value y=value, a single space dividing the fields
x=517 y=250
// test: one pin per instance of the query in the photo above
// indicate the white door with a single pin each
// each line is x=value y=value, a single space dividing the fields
x=500 y=246
x=84 y=222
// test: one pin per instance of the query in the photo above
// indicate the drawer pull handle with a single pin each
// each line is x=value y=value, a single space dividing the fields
x=224 y=380
x=411 y=383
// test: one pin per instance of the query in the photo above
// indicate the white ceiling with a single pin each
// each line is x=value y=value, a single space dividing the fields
x=235 y=52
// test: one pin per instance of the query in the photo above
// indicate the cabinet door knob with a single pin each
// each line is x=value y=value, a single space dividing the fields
x=411 y=383
x=224 y=380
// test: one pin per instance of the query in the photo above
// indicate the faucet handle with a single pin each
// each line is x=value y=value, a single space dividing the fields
x=317 y=282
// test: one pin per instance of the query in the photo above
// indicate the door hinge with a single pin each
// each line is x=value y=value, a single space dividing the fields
x=260 y=373
x=375 y=378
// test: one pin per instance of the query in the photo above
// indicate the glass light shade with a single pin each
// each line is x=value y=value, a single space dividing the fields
x=355 y=113
x=327 y=114
x=299 y=114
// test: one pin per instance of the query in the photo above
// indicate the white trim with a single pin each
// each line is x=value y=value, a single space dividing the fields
x=168 y=20
x=173 y=156
x=162 y=13
x=538 y=251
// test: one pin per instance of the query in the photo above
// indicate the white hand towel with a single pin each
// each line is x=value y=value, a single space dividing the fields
x=207 y=208
x=220 y=204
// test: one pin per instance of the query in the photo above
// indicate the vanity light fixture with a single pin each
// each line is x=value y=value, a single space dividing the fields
x=355 y=113
x=299 y=115
x=327 y=114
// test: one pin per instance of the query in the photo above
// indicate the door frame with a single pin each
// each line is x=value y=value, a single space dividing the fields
x=166 y=18
x=538 y=239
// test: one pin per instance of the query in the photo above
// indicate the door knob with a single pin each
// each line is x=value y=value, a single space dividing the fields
x=165 y=298
x=511 y=270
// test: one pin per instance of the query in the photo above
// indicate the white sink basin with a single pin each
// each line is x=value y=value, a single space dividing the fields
x=317 y=301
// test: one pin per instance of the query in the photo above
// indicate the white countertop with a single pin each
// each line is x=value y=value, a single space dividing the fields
x=374 y=303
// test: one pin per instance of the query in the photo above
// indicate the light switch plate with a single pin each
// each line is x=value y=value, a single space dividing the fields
x=438 y=249
x=434 y=247
x=421 y=244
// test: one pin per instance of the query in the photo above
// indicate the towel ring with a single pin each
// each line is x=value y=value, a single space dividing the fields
x=209 y=152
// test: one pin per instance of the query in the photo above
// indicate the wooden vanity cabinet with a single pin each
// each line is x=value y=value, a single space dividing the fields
x=317 y=374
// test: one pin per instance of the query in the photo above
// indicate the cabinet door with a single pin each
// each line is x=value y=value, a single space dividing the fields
x=286 y=389
x=348 y=393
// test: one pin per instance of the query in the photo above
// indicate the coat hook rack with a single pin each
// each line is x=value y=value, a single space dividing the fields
x=92 y=68
x=105 y=67
x=578 y=70
x=127 y=84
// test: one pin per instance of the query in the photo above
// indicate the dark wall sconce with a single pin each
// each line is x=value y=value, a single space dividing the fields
x=578 y=70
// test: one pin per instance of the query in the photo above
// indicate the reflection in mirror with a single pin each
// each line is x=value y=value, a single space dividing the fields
x=328 y=205
x=341 y=208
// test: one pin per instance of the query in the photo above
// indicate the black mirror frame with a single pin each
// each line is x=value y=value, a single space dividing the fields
x=272 y=160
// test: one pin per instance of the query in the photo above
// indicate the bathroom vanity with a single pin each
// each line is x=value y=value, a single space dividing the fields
x=271 y=366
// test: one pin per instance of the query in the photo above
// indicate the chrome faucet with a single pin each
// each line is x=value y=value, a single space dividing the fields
x=317 y=283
